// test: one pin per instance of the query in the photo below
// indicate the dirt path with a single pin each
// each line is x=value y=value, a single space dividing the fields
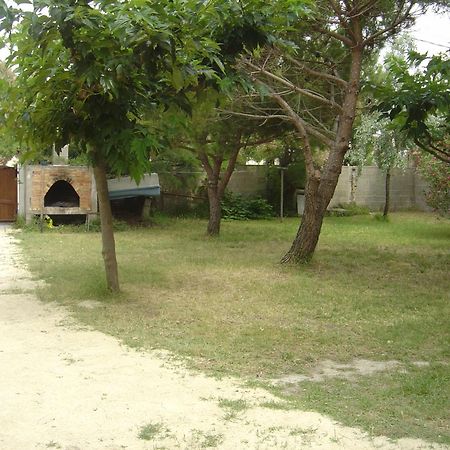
x=71 y=388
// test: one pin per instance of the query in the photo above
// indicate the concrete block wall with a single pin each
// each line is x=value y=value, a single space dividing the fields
x=249 y=181
x=368 y=188
x=420 y=188
x=343 y=191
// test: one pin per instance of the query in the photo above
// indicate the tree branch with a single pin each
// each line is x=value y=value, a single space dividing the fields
x=340 y=15
x=258 y=142
x=223 y=183
x=442 y=155
x=203 y=157
x=316 y=73
x=300 y=126
x=340 y=37
x=258 y=116
x=399 y=19
x=362 y=9
x=298 y=122
x=293 y=87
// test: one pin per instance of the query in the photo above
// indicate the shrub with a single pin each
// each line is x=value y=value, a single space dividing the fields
x=437 y=175
x=237 y=207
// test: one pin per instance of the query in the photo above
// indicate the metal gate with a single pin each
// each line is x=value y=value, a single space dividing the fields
x=8 y=194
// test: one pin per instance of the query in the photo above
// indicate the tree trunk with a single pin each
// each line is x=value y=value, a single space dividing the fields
x=305 y=242
x=217 y=182
x=109 y=246
x=215 y=211
x=387 y=192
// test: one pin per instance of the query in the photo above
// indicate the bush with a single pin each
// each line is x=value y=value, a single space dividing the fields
x=437 y=175
x=237 y=207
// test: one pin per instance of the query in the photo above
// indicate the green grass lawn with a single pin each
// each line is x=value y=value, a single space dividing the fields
x=375 y=290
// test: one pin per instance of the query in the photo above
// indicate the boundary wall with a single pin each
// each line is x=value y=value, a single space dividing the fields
x=366 y=188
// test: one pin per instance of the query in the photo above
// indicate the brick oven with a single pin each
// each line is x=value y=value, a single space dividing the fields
x=56 y=190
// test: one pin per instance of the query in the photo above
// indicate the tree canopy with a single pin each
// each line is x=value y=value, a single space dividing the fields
x=418 y=101
x=88 y=71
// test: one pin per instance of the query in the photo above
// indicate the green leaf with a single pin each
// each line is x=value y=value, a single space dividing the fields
x=177 y=78
x=219 y=64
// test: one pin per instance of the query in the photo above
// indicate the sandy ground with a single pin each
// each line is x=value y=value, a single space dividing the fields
x=63 y=386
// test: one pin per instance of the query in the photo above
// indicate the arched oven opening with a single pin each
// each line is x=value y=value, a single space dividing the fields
x=63 y=195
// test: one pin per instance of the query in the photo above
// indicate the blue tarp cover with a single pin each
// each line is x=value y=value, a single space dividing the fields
x=146 y=191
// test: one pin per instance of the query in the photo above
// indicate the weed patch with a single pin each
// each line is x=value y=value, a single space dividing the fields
x=233 y=407
x=207 y=440
x=152 y=431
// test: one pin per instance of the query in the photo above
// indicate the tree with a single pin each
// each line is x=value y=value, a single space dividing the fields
x=375 y=140
x=216 y=139
x=86 y=72
x=313 y=76
x=217 y=144
x=412 y=98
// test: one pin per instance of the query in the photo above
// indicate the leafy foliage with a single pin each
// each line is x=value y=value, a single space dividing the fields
x=88 y=71
x=374 y=140
x=420 y=90
x=237 y=207
x=9 y=146
x=437 y=174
